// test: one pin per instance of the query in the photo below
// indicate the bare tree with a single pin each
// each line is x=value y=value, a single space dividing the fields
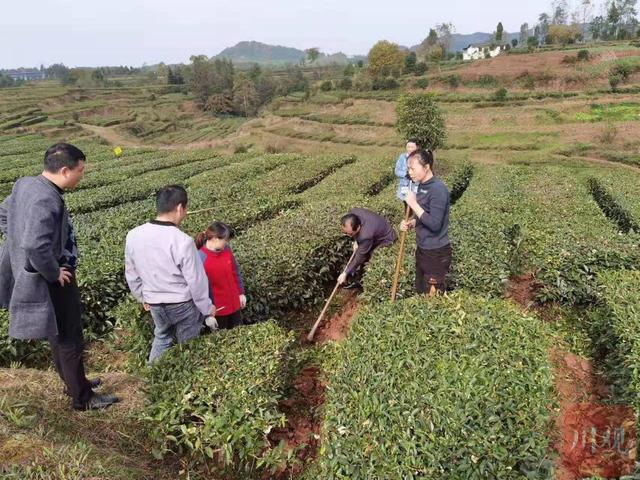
x=560 y=12
x=445 y=31
x=543 y=27
x=524 y=34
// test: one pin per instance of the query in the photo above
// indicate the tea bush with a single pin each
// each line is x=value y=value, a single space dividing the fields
x=452 y=387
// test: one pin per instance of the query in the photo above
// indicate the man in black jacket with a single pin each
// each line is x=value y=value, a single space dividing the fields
x=369 y=231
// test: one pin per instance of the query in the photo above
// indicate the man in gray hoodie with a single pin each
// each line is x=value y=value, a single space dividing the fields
x=165 y=273
x=37 y=270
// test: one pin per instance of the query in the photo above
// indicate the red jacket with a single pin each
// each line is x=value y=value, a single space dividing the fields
x=225 y=281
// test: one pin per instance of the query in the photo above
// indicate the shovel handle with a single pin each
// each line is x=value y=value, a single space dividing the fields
x=326 y=306
x=396 y=277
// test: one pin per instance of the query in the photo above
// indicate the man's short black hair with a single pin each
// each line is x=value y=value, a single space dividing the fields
x=62 y=155
x=169 y=197
x=425 y=157
x=352 y=219
x=415 y=141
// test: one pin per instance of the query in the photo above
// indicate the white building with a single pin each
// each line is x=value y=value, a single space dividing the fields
x=477 y=52
x=27 y=74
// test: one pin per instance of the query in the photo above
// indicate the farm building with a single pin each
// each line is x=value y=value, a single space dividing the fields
x=27 y=75
x=476 y=52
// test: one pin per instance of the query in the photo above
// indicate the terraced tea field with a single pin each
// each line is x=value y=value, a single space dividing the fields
x=544 y=228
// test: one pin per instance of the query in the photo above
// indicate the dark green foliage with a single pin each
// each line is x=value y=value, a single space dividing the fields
x=345 y=84
x=500 y=95
x=385 y=83
x=420 y=69
x=33 y=353
x=418 y=116
x=422 y=83
x=326 y=86
x=214 y=400
x=583 y=55
x=615 y=328
x=611 y=208
x=437 y=389
x=460 y=183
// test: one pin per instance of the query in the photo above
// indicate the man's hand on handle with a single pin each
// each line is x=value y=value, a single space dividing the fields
x=342 y=278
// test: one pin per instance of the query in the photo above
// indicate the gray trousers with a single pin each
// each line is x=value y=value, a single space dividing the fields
x=173 y=321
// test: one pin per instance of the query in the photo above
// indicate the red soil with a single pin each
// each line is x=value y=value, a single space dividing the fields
x=304 y=421
x=302 y=432
x=581 y=392
x=521 y=289
x=337 y=327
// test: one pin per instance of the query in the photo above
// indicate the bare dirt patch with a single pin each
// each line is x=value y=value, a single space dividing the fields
x=302 y=432
x=521 y=289
x=337 y=327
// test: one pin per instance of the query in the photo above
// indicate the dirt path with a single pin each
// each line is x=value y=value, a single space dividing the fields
x=579 y=391
x=602 y=161
x=301 y=434
x=114 y=137
x=111 y=135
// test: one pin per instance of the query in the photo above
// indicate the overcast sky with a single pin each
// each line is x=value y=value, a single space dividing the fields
x=133 y=32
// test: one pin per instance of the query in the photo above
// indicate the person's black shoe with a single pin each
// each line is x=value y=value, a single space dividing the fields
x=353 y=286
x=99 y=402
x=94 y=383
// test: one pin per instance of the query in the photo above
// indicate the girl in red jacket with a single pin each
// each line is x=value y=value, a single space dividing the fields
x=225 y=280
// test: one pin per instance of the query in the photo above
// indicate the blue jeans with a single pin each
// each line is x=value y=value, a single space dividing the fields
x=180 y=320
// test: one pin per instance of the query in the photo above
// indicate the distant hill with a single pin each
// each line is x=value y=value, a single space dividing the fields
x=256 y=52
x=264 y=54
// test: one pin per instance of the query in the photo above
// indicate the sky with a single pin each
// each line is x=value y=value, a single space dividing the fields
x=135 y=32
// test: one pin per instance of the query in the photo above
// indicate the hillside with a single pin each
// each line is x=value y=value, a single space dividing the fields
x=249 y=52
x=262 y=53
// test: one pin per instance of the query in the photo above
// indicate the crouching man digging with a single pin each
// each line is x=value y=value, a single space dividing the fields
x=368 y=231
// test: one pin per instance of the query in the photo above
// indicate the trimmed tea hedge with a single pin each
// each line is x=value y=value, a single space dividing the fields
x=452 y=387
x=623 y=186
x=615 y=328
x=291 y=260
x=514 y=219
x=611 y=208
x=568 y=240
x=215 y=399
x=144 y=186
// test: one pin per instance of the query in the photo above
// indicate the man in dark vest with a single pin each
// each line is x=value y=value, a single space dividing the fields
x=37 y=270
x=368 y=231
